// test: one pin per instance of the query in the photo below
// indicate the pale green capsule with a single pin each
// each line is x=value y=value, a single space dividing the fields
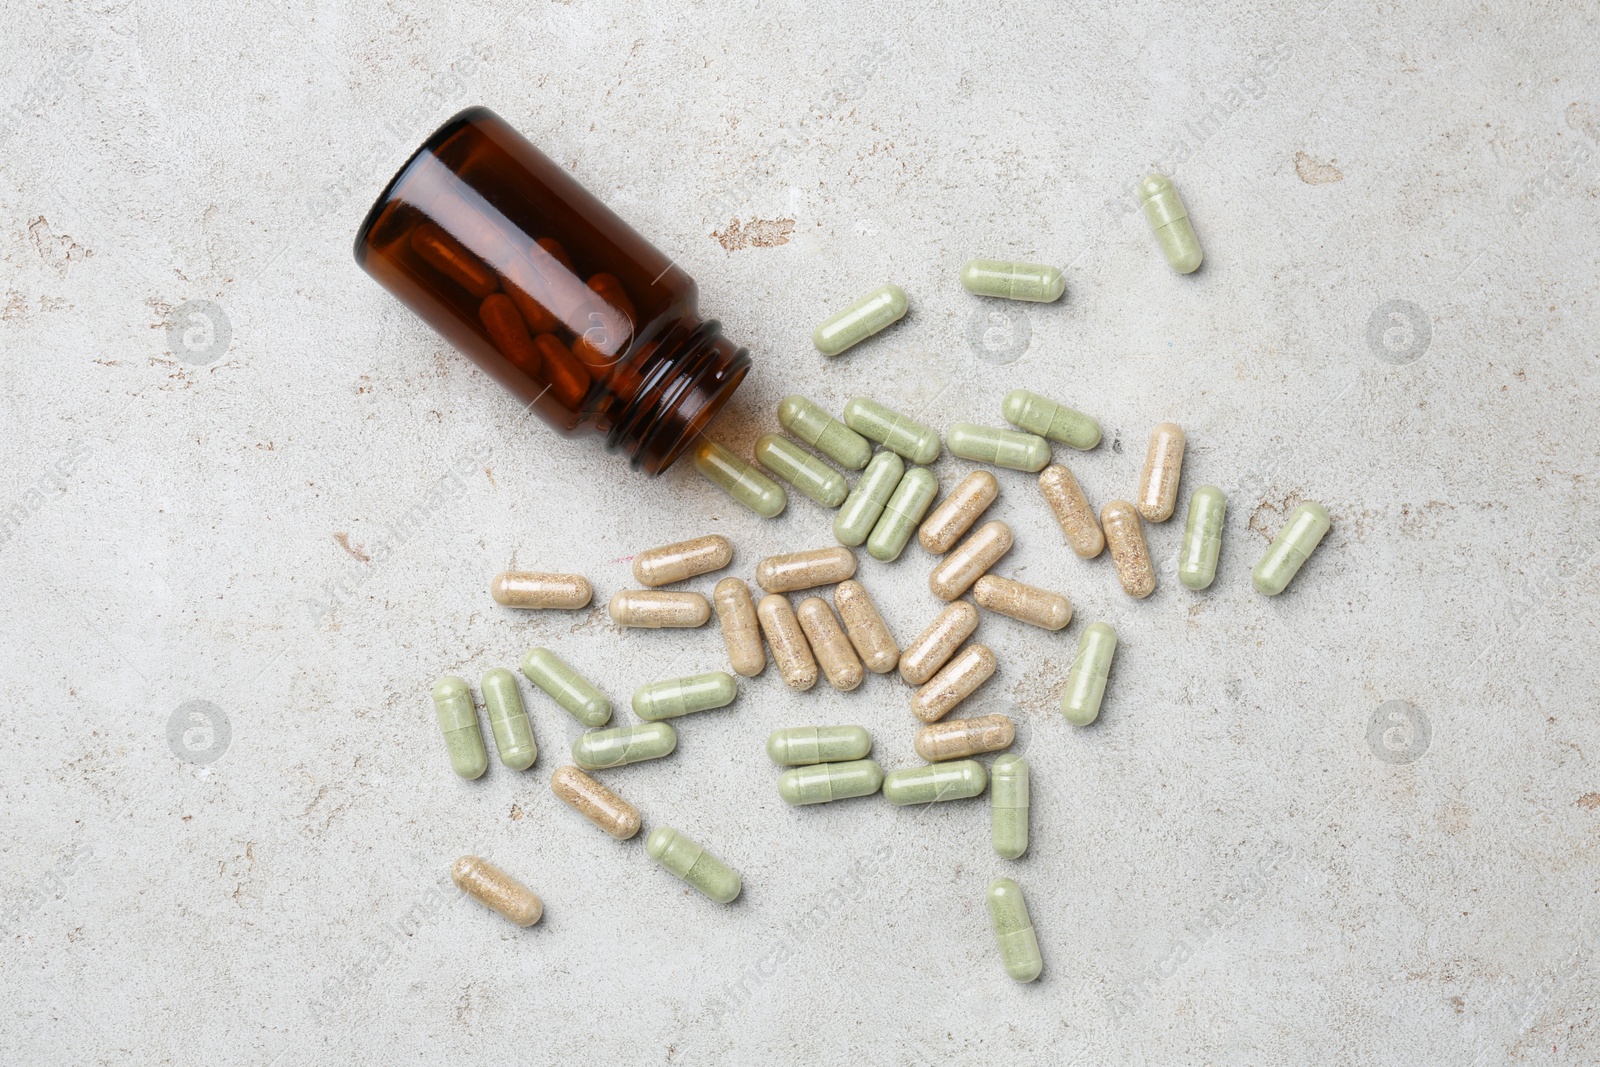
x=955 y=780
x=693 y=864
x=673 y=697
x=865 y=503
x=566 y=687
x=1013 y=929
x=901 y=514
x=876 y=311
x=823 y=432
x=1170 y=220
x=1291 y=548
x=802 y=470
x=513 y=733
x=739 y=480
x=1202 y=537
x=1086 y=681
x=458 y=721
x=618 y=746
x=1003 y=448
x=1013 y=281
x=823 y=782
x=1008 y=806
x=797 y=746
x=899 y=434
x=1043 y=416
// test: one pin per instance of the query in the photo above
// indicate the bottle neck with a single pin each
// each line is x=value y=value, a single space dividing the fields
x=682 y=384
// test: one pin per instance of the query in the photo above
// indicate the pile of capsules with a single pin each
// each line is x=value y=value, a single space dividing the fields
x=887 y=505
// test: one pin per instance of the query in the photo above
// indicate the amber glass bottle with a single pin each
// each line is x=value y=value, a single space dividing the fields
x=560 y=300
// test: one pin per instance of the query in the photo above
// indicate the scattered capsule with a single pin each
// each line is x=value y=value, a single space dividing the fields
x=823 y=432
x=968 y=500
x=654 y=609
x=566 y=687
x=1008 y=806
x=458 y=721
x=865 y=627
x=508 y=719
x=956 y=681
x=1034 y=282
x=798 y=746
x=802 y=470
x=1202 y=537
x=740 y=630
x=790 y=650
x=1043 y=416
x=1003 y=448
x=739 y=480
x=879 y=309
x=532 y=589
x=683 y=560
x=830 y=646
x=1013 y=929
x=863 y=507
x=904 y=436
x=934 y=646
x=1163 y=463
x=905 y=509
x=1086 y=681
x=1170 y=220
x=935 y=782
x=619 y=746
x=960 y=738
x=490 y=886
x=1072 y=511
x=595 y=802
x=1291 y=548
x=823 y=782
x=1025 y=603
x=693 y=864
x=1131 y=556
x=955 y=573
x=805 y=570
x=672 y=697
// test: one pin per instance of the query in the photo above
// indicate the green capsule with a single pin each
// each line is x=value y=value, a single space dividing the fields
x=1291 y=548
x=595 y=750
x=801 y=469
x=1019 y=947
x=1008 y=806
x=954 y=780
x=513 y=733
x=901 y=514
x=458 y=721
x=1003 y=448
x=865 y=503
x=566 y=687
x=1086 y=681
x=1043 y=416
x=901 y=435
x=1013 y=281
x=1168 y=217
x=683 y=696
x=797 y=746
x=823 y=432
x=877 y=310
x=680 y=855
x=822 y=782
x=739 y=480
x=1202 y=537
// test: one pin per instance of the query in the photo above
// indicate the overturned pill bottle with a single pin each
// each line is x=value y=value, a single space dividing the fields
x=517 y=265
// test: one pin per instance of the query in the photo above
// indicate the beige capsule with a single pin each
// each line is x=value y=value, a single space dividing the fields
x=740 y=630
x=1125 y=539
x=489 y=885
x=1073 y=512
x=805 y=570
x=1025 y=603
x=960 y=738
x=536 y=589
x=682 y=561
x=832 y=649
x=595 y=802
x=652 y=609
x=955 y=573
x=934 y=646
x=956 y=681
x=865 y=627
x=1163 y=463
x=959 y=511
x=790 y=650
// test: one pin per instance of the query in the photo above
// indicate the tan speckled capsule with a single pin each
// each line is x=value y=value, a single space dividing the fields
x=958 y=512
x=956 y=572
x=652 y=609
x=1125 y=538
x=829 y=645
x=1025 y=603
x=1072 y=510
x=535 y=589
x=805 y=570
x=790 y=650
x=865 y=627
x=1163 y=463
x=960 y=738
x=740 y=630
x=489 y=885
x=959 y=678
x=923 y=657
x=595 y=802
x=683 y=560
